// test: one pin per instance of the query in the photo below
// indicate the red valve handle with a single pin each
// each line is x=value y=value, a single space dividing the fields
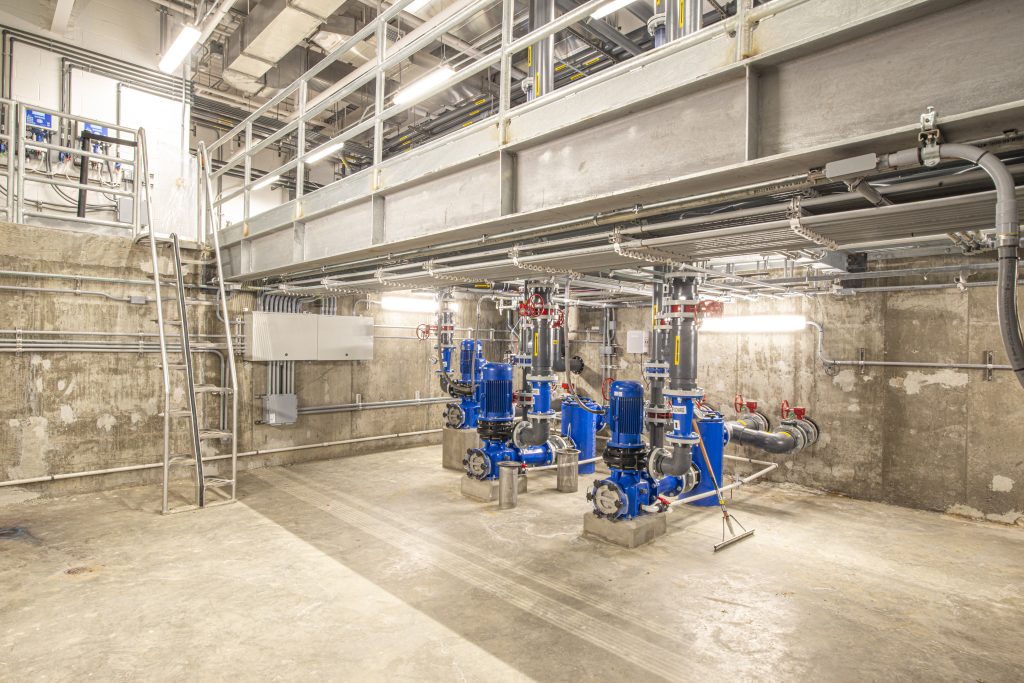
x=535 y=305
x=737 y=403
x=751 y=406
x=606 y=386
x=423 y=331
x=785 y=408
x=799 y=411
x=560 y=320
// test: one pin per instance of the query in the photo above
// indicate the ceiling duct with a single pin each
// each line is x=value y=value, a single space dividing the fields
x=270 y=32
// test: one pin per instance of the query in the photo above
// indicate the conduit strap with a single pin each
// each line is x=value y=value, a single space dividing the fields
x=518 y=263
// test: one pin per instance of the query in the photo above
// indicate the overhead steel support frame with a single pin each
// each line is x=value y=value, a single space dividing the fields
x=793 y=84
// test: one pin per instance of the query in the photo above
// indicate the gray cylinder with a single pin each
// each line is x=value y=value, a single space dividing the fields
x=568 y=471
x=508 y=484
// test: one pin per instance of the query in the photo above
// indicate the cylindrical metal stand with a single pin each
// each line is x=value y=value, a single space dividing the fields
x=568 y=471
x=508 y=484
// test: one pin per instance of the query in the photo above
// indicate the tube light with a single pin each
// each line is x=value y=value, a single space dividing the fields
x=416 y=5
x=266 y=180
x=754 y=323
x=615 y=6
x=324 y=152
x=179 y=49
x=408 y=304
x=425 y=84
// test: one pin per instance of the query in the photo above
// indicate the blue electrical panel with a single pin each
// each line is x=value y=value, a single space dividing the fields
x=37 y=119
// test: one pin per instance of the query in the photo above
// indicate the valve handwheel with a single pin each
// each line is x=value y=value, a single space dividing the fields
x=423 y=331
x=536 y=305
x=606 y=385
x=785 y=409
x=737 y=403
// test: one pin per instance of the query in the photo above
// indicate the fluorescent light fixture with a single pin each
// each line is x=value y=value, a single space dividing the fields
x=754 y=323
x=427 y=83
x=266 y=180
x=324 y=152
x=416 y=5
x=408 y=304
x=179 y=49
x=615 y=6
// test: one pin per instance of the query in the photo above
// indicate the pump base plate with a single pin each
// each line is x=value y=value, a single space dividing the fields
x=627 y=533
x=454 y=444
x=485 y=490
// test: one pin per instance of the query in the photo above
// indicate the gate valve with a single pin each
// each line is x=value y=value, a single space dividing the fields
x=737 y=403
x=751 y=406
x=799 y=411
x=785 y=409
x=536 y=305
x=424 y=330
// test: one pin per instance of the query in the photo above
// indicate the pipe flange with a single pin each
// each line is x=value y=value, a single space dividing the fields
x=654 y=23
x=477 y=464
x=542 y=378
x=684 y=393
x=522 y=361
x=608 y=499
x=455 y=416
x=542 y=417
x=681 y=441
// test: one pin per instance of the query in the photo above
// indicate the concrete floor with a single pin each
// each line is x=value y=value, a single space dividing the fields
x=374 y=567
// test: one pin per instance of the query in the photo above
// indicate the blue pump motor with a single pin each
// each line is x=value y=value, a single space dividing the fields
x=626 y=415
x=463 y=413
x=471 y=360
x=495 y=392
x=494 y=422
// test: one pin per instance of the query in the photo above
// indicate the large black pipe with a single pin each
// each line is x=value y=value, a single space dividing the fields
x=682 y=369
x=773 y=442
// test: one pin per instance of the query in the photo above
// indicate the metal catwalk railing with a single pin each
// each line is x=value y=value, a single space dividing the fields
x=38 y=151
x=385 y=107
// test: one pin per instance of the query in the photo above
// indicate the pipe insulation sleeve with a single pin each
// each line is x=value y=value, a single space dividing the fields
x=1008 y=236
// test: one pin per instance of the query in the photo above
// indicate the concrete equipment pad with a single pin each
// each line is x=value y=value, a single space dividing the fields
x=454 y=444
x=628 y=533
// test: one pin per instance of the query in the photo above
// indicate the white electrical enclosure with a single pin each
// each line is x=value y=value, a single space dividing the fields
x=299 y=336
x=636 y=341
x=344 y=337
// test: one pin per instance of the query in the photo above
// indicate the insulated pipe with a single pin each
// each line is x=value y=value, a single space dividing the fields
x=1008 y=245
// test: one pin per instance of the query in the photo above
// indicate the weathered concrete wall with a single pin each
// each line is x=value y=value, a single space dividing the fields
x=65 y=412
x=935 y=439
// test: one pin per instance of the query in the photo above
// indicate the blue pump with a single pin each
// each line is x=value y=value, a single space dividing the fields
x=463 y=413
x=633 y=483
x=496 y=420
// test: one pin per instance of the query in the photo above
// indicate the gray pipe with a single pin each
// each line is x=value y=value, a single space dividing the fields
x=1008 y=236
x=656 y=431
x=682 y=367
x=772 y=442
x=539 y=430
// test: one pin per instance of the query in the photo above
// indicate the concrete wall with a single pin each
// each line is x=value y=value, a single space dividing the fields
x=934 y=439
x=69 y=412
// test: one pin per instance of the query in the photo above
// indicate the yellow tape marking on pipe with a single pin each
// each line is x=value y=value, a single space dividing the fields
x=682 y=12
x=677 y=349
x=536 y=343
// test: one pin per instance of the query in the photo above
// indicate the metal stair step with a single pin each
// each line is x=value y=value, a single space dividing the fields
x=212 y=389
x=214 y=434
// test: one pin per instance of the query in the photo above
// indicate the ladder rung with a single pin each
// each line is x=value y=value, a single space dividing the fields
x=214 y=482
x=186 y=459
x=214 y=434
x=198 y=261
x=211 y=389
x=178 y=412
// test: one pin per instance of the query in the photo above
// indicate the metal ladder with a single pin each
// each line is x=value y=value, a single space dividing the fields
x=225 y=486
